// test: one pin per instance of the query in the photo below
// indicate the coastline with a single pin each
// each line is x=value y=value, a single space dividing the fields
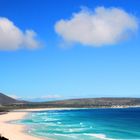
x=16 y=131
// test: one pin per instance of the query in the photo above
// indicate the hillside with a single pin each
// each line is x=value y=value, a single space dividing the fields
x=96 y=102
x=86 y=102
x=4 y=100
x=83 y=102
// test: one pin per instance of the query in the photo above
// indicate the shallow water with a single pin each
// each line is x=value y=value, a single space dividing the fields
x=85 y=124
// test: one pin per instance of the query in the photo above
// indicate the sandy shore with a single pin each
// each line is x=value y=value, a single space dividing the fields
x=14 y=131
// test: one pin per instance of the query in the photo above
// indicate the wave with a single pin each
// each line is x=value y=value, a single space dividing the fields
x=79 y=136
x=66 y=135
x=100 y=136
x=70 y=125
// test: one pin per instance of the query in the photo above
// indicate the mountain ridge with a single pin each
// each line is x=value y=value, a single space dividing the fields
x=5 y=99
x=81 y=102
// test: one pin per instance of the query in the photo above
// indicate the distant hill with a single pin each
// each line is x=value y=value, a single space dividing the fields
x=77 y=103
x=4 y=100
x=95 y=102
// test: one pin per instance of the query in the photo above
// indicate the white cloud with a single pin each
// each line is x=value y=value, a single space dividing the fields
x=12 y=38
x=104 y=26
x=54 y=96
x=48 y=97
x=14 y=96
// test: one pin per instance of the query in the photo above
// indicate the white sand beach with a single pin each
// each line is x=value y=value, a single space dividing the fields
x=14 y=131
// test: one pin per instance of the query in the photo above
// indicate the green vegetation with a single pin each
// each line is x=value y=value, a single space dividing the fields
x=9 y=103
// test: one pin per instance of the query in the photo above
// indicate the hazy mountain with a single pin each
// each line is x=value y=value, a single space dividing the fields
x=84 y=102
x=95 y=102
x=4 y=100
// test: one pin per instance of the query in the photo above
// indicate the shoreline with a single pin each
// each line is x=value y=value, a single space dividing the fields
x=14 y=131
x=18 y=131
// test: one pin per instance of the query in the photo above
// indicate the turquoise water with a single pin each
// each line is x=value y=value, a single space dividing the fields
x=85 y=124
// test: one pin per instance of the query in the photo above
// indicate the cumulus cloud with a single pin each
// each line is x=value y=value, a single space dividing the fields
x=12 y=37
x=103 y=26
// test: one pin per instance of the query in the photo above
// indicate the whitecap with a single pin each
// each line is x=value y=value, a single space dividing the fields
x=59 y=123
x=100 y=136
x=66 y=135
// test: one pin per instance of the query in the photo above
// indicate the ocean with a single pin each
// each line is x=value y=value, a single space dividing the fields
x=85 y=124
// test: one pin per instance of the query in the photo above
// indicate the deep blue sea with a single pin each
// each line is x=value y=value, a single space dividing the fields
x=85 y=124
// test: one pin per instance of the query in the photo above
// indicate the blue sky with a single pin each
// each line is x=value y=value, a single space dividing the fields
x=77 y=70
